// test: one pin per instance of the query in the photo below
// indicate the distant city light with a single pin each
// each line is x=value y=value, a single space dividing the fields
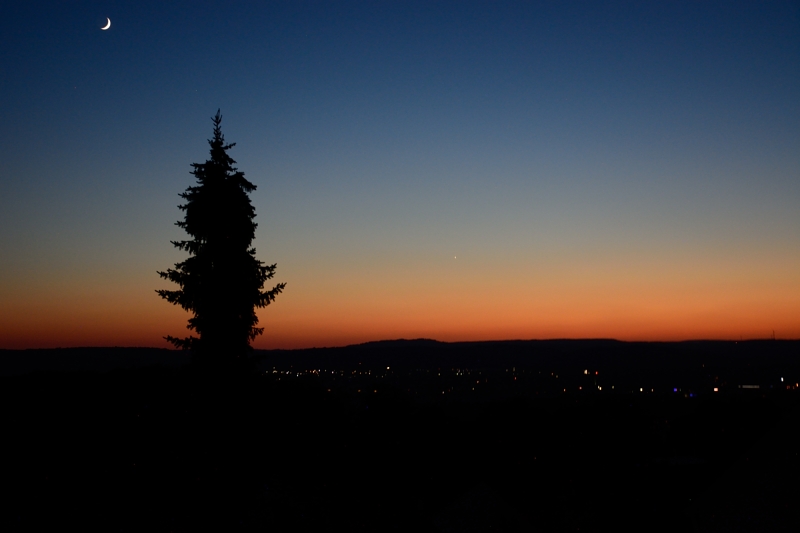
x=716 y=389
x=585 y=371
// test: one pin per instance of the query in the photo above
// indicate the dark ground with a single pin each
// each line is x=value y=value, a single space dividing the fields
x=158 y=449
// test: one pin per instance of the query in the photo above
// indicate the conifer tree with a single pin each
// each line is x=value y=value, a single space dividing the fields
x=221 y=282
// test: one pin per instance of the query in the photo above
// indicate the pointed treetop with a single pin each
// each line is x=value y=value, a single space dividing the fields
x=218 y=137
x=219 y=150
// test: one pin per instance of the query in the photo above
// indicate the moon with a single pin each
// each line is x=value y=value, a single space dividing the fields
x=108 y=24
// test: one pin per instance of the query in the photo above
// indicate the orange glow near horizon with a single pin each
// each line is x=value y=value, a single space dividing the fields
x=282 y=330
x=454 y=305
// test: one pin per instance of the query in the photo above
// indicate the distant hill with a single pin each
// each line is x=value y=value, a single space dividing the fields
x=426 y=353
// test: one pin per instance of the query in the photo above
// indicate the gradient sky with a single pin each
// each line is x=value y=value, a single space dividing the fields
x=451 y=170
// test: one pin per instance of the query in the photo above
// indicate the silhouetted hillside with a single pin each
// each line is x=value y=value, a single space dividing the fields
x=695 y=365
x=515 y=436
x=759 y=360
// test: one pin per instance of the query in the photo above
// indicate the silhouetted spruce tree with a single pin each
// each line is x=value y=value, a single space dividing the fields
x=221 y=282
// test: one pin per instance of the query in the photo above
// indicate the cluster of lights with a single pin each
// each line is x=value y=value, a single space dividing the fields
x=466 y=372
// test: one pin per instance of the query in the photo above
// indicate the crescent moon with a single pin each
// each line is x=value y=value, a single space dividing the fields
x=108 y=25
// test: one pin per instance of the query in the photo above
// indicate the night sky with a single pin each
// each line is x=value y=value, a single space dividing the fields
x=450 y=170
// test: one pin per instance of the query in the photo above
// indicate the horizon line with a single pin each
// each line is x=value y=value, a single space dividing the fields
x=403 y=339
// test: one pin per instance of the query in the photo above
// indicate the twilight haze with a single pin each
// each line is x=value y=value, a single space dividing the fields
x=450 y=170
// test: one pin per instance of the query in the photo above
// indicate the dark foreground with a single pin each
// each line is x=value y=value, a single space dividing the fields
x=160 y=449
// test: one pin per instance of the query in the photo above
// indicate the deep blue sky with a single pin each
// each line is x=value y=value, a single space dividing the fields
x=587 y=162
